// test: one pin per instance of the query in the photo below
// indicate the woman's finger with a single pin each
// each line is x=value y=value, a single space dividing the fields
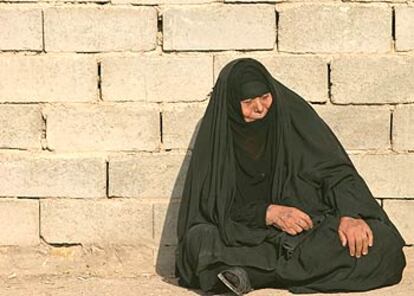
x=297 y=228
x=358 y=245
x=351 y=245
x=365 y=244
x=342 y=237
x=307 y=219
x=370 y=236
x=302 y=223
x=291 y=231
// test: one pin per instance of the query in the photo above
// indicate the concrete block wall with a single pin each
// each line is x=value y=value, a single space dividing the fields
x=100 y=103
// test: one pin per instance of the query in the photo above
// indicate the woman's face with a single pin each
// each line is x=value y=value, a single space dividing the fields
x=256 y=108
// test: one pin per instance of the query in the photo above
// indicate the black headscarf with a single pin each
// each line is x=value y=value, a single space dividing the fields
x=309 y=167
x=251 y=137
x=252 y=144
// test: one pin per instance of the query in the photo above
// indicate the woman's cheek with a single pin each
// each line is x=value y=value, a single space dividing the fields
x=269 y=103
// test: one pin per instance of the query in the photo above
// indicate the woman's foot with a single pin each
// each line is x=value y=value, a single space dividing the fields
x=236 y=279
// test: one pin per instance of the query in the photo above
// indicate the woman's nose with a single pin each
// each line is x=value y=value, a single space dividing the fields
x=259 y=106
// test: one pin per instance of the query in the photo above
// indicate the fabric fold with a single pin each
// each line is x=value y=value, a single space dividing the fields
x=252 y=214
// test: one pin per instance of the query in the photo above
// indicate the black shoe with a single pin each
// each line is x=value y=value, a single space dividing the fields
x=236 y=279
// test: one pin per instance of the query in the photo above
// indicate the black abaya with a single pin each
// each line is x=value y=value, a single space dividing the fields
x=294 y=159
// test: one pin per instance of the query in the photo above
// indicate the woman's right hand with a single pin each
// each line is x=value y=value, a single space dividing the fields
x=288 y=219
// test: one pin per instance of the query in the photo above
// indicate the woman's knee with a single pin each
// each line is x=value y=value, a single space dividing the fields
x=394 y=264
x=199 y=231
x=197 y=234
x=385 y=238
x=389 y=248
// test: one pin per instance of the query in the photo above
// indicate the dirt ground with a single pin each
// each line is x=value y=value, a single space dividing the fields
x=150 y=284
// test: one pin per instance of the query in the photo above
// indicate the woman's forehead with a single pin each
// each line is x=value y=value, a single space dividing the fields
x=269 y=93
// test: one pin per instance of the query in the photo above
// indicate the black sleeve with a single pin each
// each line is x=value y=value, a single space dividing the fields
x=326 y=164
x=252 y=214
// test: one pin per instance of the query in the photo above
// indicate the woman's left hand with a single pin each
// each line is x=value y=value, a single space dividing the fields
x=357 y=234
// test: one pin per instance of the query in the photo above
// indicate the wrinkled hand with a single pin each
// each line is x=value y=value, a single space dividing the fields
x=357 y=234
x=288 y=219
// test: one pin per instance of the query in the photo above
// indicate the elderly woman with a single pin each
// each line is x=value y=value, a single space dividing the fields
x=271 y=198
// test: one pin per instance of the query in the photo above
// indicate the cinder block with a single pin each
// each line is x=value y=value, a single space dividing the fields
x=401 y=214
x=48 y=78
x=103 y=127
x=158 y=175
x=358 y=127
x=20 y=28
x=404 y=28
x=91 y=29
x=306 y=75
x=32 y=175
x=107 y=221
x=180 y=124
x=372 y=79
x=403 y=127
x=334 y=28
x=20 y=222
x=165 y=222
x=21 y=126
x=387 y=175
x=156 y=78
x=219 y=27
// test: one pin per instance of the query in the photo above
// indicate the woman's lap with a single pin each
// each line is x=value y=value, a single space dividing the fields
x=321 y=263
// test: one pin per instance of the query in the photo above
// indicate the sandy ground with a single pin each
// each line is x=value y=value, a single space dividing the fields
x=59 y=285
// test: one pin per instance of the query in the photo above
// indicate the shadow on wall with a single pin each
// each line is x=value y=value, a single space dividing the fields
x=165 y=257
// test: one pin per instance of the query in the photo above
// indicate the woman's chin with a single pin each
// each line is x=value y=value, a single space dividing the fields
x=252 y=119
x=259 y=117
